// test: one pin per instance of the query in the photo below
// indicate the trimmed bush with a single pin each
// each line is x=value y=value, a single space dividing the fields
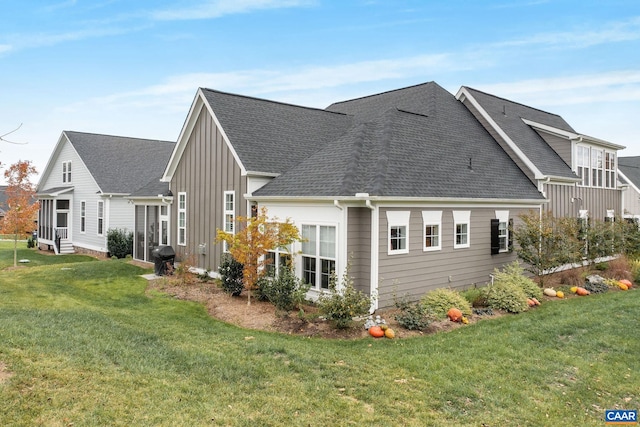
x=119 y=242
x=341 y=305
x=231 y=275
x=438 y=302
x=412 y=315
x=514 y=273
x=286 y=291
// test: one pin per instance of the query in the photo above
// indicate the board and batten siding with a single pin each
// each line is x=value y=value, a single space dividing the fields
x=359 y=247
x=413 y=274
x=568 y=200
x=205 y=171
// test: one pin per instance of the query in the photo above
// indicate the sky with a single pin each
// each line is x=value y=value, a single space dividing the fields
x=132 y=68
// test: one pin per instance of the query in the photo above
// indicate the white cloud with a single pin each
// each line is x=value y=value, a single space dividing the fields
x=610 y=33
x=5 y=48
x=216 y=8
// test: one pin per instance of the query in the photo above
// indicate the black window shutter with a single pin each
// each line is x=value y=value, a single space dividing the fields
x=510 y=234
x=495 y=238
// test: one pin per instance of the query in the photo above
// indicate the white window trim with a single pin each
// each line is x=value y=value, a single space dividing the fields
x=459 y=218
x=398 y=219
x=66 y=172
x=232 y=212
x=100 y=203
x=431 y=218
x=591 y=167
x=318 y=257
x=184 y=211
x=503 y=217
x=83 y=215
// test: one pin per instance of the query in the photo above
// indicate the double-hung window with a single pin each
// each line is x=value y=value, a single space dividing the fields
x=609 y=170
x=597 y=167
x=432 y=224
x=318 y=255
x=500 y=238
x=229 y=214
x=398 y=232
x=83 y=216
x=461 y=226
x=583 y=163
x=100 y=218
x=182 y=219
x=66 y=171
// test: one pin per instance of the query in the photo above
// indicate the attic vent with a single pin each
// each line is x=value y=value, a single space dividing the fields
x=470 y=163
x=504 y=110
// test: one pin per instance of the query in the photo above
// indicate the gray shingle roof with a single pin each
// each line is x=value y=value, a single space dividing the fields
x=121 y=165
x=421 y=145
x=508 y=115
x=630 y=167
x=271 y=136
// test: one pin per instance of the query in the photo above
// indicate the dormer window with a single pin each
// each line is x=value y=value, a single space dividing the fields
x=66 y=172
x=596 y=166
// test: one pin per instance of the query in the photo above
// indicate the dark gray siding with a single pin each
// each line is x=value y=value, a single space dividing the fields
x=561 y=146
x=359 y=246
x=412 y=275
x=206 y=170
x=568 y=200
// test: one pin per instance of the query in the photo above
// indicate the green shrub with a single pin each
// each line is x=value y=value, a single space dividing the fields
x=475 y=296
x=119 y=242
x=438 y=302
x=341 y=305
x=231 y=275
x=286 y=291
x=411 y=315
x=514 y=273
x=31 y=243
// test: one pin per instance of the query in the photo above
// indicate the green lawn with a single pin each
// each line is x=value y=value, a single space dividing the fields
x=86 y=347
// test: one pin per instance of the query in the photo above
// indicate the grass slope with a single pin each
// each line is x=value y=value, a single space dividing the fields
x=86 y=346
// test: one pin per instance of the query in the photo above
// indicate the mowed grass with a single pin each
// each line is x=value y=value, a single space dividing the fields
x=84 y=345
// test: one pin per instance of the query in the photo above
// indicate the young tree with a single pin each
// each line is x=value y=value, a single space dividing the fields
x=250 y=244
x=546 y=243
x=21 y=204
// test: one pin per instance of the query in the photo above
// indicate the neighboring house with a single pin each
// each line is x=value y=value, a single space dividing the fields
x=405 y=188
x=576 y=173
x=84 y=190
x=629 y=175
x=3 y=201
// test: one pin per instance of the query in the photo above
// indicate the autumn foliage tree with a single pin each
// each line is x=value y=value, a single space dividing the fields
x=22 y=207
x=254 y=240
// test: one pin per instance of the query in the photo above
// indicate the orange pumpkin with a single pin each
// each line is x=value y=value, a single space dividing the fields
x=376 y=332
x=454 y=314
x=582 y=291
x=535 y=301
x=626 y=282
x=530 y=302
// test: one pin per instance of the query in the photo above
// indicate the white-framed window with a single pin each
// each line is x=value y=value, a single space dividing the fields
x=503 y=230
x=229 y=214
x=276 y=260
x=66 y=171
x=164 y=225
x=432 y=226
x=100 y=217
x=83 y=216
x=583 y=163
x=398 y=232
x=182 y=218
x=610 y=170
x=461 y=227
x=597 y=167
x=318 y=255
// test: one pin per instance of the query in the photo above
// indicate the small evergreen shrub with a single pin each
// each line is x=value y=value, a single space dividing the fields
x=119 y=242
x=286 y=291
x=506 y=296
x=475 y=296
x=438 y=302
x=231 y=275
x=411 y=315
x=514 y=273
x=341 y=305
x=31 y=243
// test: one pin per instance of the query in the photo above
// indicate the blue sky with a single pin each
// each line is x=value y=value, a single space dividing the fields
x=132 y=68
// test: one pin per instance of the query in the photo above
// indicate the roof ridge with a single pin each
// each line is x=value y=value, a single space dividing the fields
x=271 y=101
x=514 y=102
x=118 y=136
x=384 y=93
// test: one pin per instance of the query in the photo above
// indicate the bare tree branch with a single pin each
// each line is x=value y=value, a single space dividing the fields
x=9 y=133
